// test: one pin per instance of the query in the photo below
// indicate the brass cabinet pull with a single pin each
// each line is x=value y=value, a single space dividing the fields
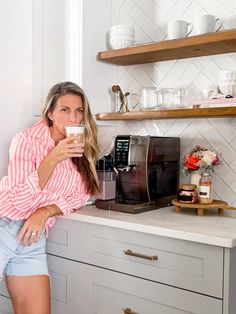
x=129 y=311
x=151 y=258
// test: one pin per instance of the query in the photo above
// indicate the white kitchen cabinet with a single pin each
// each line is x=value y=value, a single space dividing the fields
x=64 y=239
x=5 y=305
x=81 y=288
x=5 y=302
x=66 y=36
x=183 y=264
x=65 y=278
x=104 y=292
x=3 y=289
x=96 y=276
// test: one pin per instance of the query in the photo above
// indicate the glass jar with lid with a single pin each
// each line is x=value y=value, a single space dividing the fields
x=187 y=193
x=205 y=189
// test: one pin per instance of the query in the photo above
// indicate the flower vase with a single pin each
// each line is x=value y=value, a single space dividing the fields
x=195 y=178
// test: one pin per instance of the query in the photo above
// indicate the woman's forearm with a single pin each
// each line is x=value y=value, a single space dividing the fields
x=34 y=225
x=45 y=170
x=50 y=210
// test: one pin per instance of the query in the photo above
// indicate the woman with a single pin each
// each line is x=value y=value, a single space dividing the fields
x=47 y=176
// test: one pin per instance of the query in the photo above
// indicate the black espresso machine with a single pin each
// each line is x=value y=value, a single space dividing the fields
x=147 y=173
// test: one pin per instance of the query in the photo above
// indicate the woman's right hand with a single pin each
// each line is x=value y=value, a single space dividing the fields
x=66 y=148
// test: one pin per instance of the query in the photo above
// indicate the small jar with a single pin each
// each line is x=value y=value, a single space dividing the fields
x=205 y=189
x=187 y=193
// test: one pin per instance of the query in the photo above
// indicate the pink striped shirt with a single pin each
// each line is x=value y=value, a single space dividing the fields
x=20 y=194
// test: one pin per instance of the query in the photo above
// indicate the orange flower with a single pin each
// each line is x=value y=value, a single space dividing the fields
x=192 y=162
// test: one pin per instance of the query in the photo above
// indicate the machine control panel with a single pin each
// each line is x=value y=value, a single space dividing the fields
x=122 y=146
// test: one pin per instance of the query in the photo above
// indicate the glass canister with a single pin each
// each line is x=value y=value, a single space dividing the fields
x=148 y=98
x=187 y=193
x=167 y=98
x=205 y=189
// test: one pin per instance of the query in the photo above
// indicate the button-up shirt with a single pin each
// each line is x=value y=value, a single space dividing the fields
x=20 y=193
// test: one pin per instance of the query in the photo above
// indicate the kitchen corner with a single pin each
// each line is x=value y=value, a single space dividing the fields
x=158 y=261
x=143 y=260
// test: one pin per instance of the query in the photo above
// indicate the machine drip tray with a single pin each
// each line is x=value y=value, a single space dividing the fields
x=127 y=207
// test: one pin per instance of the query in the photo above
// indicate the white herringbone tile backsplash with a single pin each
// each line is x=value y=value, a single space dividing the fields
x=150 y=18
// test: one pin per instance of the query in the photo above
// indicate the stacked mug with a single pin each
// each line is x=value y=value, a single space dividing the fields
x=121 y=36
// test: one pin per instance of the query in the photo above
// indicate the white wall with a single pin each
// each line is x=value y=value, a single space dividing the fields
x=15 y=71
x=150 y=18
x=44 y=42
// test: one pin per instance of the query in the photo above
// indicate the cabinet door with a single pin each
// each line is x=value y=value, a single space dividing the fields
x=3 y=289
x=64 y=285
x=5 y=305
x=64 y=278
x=97 y=77
x=50 y=47
x=104 y=292
x=63 y=239
x=65 y=47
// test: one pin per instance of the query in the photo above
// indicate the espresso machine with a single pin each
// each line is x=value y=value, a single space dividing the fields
x=147 y=173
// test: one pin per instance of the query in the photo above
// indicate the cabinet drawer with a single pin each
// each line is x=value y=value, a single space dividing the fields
x=183 y=264
x=104 y=292
x=63 y=239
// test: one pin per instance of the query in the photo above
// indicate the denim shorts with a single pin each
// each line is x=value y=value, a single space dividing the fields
x=17 y=259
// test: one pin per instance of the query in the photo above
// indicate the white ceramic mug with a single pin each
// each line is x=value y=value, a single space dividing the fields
x=206 y=23
x=179 y=29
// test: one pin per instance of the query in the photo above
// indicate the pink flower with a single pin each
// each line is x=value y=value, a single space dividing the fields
x=216 y=161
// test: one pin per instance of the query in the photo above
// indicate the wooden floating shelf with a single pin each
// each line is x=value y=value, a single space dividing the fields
x=188 y=47
x=168 y=114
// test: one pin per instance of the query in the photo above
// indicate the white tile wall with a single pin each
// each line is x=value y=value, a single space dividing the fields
x=150 y=18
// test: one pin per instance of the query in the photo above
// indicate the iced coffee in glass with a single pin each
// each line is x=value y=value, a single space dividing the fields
x=76 y=130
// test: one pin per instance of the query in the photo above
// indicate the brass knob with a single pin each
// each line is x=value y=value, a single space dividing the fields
x=129 y=311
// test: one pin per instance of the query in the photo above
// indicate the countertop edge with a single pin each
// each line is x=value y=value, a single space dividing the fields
x=154 y=230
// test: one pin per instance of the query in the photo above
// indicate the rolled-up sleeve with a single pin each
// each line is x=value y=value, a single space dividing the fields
x=69 y=203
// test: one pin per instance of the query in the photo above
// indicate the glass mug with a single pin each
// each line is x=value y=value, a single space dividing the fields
x=75 y=130
x=172 y=98
x=148 y=98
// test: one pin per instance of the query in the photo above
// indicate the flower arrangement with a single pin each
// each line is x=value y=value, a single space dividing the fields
x=199 y=160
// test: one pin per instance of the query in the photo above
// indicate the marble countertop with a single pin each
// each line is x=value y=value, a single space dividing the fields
x=212 y=228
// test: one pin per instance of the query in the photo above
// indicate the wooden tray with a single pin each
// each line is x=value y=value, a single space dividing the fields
x=221 y=205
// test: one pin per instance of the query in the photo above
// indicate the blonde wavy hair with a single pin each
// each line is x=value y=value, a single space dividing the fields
x=85 y=165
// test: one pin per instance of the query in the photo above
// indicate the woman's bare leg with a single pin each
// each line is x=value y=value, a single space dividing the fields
x=29 y=294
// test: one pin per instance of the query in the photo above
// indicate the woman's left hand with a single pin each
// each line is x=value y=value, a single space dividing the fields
x=33 y=227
